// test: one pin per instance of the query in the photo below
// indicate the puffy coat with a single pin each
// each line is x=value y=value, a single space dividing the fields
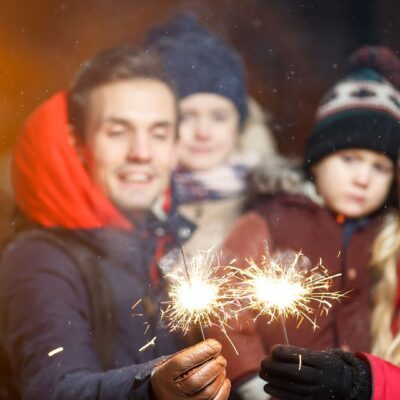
x=295 y=222
x=385 y=378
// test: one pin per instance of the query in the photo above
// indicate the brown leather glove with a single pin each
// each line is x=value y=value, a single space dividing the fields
x=197 y=372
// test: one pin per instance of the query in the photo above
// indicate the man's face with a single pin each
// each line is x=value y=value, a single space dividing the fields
x=130 y=143
x=354 y=182
x=208 y=130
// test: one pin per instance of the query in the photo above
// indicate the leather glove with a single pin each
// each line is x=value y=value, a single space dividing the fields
x=197 y=372
x=322 y=375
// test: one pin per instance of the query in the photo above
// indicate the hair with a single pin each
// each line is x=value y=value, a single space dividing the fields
x=385 y=254
x=116 y=64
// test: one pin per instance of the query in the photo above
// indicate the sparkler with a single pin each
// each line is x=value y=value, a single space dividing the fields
x=198 y=295
x=279 y=290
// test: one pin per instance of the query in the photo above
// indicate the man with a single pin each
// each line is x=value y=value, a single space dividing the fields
x=91 y=172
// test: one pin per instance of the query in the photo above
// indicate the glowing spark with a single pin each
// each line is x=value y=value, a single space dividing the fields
x=136 y=304
x=279 y=290
x=55 y=351
x=151 y=343
x=300 y=362
x=198 y=295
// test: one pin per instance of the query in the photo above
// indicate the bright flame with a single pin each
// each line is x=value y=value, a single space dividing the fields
x=275 y=289
x=280 y=293
x=198 y=295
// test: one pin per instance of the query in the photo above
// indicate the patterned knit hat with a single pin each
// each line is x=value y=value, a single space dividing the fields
x=199 y=61
x=362 y=110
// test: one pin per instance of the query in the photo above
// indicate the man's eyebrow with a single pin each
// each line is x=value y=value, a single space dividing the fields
x=162 y=124
x=114 y=120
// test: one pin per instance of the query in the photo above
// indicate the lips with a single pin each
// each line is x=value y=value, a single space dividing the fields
x=200 y=150
x=357 y=198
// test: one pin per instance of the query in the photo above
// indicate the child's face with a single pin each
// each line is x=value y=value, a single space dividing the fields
x=354 y=182
x=208 y=131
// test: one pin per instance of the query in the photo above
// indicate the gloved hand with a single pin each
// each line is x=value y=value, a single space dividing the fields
x=197 y=372
x=322 y=375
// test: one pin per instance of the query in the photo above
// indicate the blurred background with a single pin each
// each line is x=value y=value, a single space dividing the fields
x=293 y=50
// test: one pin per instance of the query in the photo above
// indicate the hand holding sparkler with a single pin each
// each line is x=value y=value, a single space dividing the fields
x=196 y=373
x=323 y=375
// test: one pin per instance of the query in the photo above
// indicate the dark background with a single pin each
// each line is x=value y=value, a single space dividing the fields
x=293 y=50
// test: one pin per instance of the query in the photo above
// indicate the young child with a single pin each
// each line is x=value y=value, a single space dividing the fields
x=210 y=183
x=337 y=374
x=350 y=156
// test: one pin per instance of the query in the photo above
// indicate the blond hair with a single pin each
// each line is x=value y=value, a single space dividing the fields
x=385 y=254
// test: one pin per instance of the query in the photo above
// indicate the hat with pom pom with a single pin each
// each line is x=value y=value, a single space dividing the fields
x=199 y=61
x=362 y=110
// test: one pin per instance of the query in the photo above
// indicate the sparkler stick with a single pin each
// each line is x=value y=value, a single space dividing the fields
x=190 y=284
x=282 y=319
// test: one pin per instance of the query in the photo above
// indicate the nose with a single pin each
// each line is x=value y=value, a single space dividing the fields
x=203 y=130
x=362 y=176
x=139 y=148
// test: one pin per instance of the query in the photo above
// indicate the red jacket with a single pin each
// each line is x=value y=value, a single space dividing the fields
x=385 y=378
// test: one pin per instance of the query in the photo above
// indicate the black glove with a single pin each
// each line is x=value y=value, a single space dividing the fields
x=319 y=375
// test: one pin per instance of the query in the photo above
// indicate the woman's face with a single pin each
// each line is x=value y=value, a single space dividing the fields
x=208 y=131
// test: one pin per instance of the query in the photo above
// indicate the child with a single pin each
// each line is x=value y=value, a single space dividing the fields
x=335 y=373
x=350 y=156
x=211 y=181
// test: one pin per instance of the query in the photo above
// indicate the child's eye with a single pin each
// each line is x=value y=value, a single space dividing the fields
x=386 y=169
x=348 y=158
x=219 y=116
x=187 y=117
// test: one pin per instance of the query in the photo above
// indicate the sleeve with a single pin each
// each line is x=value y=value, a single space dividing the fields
x=385 y=378
x=245 y=241
x=44 y=307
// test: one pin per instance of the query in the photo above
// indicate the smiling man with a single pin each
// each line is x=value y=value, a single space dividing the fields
x=91 y=173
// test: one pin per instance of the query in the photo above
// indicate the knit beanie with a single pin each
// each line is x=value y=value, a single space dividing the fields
x=362 y=110
x=198 y=61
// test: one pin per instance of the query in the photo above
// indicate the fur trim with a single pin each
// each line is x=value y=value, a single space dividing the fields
x=277 y=175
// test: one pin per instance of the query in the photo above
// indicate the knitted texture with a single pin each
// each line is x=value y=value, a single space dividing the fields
x=362 y=110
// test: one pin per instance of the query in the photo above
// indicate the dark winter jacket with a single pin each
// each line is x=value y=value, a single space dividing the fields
x=44 y=305
x=294 y=222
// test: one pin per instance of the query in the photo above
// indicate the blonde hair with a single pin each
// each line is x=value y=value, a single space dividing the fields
x=385 y=254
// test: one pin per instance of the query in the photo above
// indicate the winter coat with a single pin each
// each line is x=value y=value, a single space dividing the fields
x=44 y=305
x=385 y=378
x=213 y=220
x=296 y=222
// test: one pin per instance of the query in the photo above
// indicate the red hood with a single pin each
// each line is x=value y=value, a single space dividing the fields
x=52 y=188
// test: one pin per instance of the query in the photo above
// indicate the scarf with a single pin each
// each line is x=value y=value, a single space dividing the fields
x=225 y=181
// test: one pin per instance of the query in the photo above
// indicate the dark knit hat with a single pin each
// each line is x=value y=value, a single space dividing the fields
x=362 y=110
x=199 y=61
